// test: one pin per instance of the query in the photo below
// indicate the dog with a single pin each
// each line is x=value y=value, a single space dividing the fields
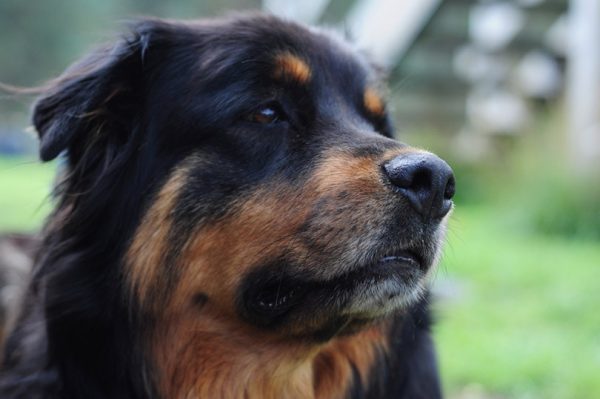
x=233 y=219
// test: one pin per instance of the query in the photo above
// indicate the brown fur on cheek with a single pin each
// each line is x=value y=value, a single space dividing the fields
x=219 y=255
x=149 y=246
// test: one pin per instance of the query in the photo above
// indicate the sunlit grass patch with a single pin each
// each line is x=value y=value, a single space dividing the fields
x=25 y=186
x=525 y=322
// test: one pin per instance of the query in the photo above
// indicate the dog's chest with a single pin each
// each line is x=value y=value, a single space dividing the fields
x=232 y=368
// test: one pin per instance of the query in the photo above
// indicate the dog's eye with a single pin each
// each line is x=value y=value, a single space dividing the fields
x=266 y=115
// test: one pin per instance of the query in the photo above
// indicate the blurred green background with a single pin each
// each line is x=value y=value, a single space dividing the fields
x=518 y=290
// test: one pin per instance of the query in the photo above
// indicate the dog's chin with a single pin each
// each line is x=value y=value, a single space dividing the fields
x=340 y=305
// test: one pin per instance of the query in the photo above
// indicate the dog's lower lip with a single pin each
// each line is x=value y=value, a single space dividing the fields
x=404 y=257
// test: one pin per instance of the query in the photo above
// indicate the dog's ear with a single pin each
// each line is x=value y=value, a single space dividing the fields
x=96 y=96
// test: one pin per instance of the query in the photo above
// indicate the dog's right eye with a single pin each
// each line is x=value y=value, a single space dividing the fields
x=266 y=115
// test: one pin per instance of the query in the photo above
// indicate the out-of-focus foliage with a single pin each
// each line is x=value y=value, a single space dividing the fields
x=38 y=39
x=567 y=208
x=517 y=311
x=25 y=199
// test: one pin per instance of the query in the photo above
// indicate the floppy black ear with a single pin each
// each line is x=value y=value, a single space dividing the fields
x=96 y=96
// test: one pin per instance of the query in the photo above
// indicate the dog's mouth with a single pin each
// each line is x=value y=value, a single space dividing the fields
x=403 y=259
x=367 y=292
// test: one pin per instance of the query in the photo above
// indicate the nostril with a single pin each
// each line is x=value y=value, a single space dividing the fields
x=406 y=174
x=421 y=180
x=450 y=189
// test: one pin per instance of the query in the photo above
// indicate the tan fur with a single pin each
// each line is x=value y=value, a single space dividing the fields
x=209 y=356
x=373 y=102
x=341 y=171
x=149 y=244
x=290 y=66
x=332 y=367
x=206 y=355
x=220 y=255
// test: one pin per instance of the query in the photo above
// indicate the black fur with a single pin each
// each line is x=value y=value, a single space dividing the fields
x=123 y=118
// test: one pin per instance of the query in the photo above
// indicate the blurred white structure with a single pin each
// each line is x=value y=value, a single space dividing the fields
x=495 y=110
x=537 y=75
x=584 y=85
x=494 y=25
x=305 y=11
x=388 y=27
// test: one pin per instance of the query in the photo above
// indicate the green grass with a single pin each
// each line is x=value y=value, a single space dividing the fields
x=523 y=319
x=519 y=312
x=523 y=259
x=24 y=193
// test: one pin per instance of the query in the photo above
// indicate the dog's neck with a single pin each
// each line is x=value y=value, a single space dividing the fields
x=202 y=361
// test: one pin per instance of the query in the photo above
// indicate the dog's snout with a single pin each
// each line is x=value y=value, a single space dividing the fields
x=425 y=180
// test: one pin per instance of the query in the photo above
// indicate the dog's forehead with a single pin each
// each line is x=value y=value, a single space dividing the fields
x=320 y=54
x=286 y=50
x=225 y=67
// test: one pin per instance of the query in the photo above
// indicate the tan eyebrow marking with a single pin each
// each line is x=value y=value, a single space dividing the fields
x=373 y=102
x=288 y=65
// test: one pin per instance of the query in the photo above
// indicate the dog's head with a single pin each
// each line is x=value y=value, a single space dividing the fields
x=241 y=171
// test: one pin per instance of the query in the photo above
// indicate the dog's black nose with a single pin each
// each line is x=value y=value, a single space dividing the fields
x=425 y=180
